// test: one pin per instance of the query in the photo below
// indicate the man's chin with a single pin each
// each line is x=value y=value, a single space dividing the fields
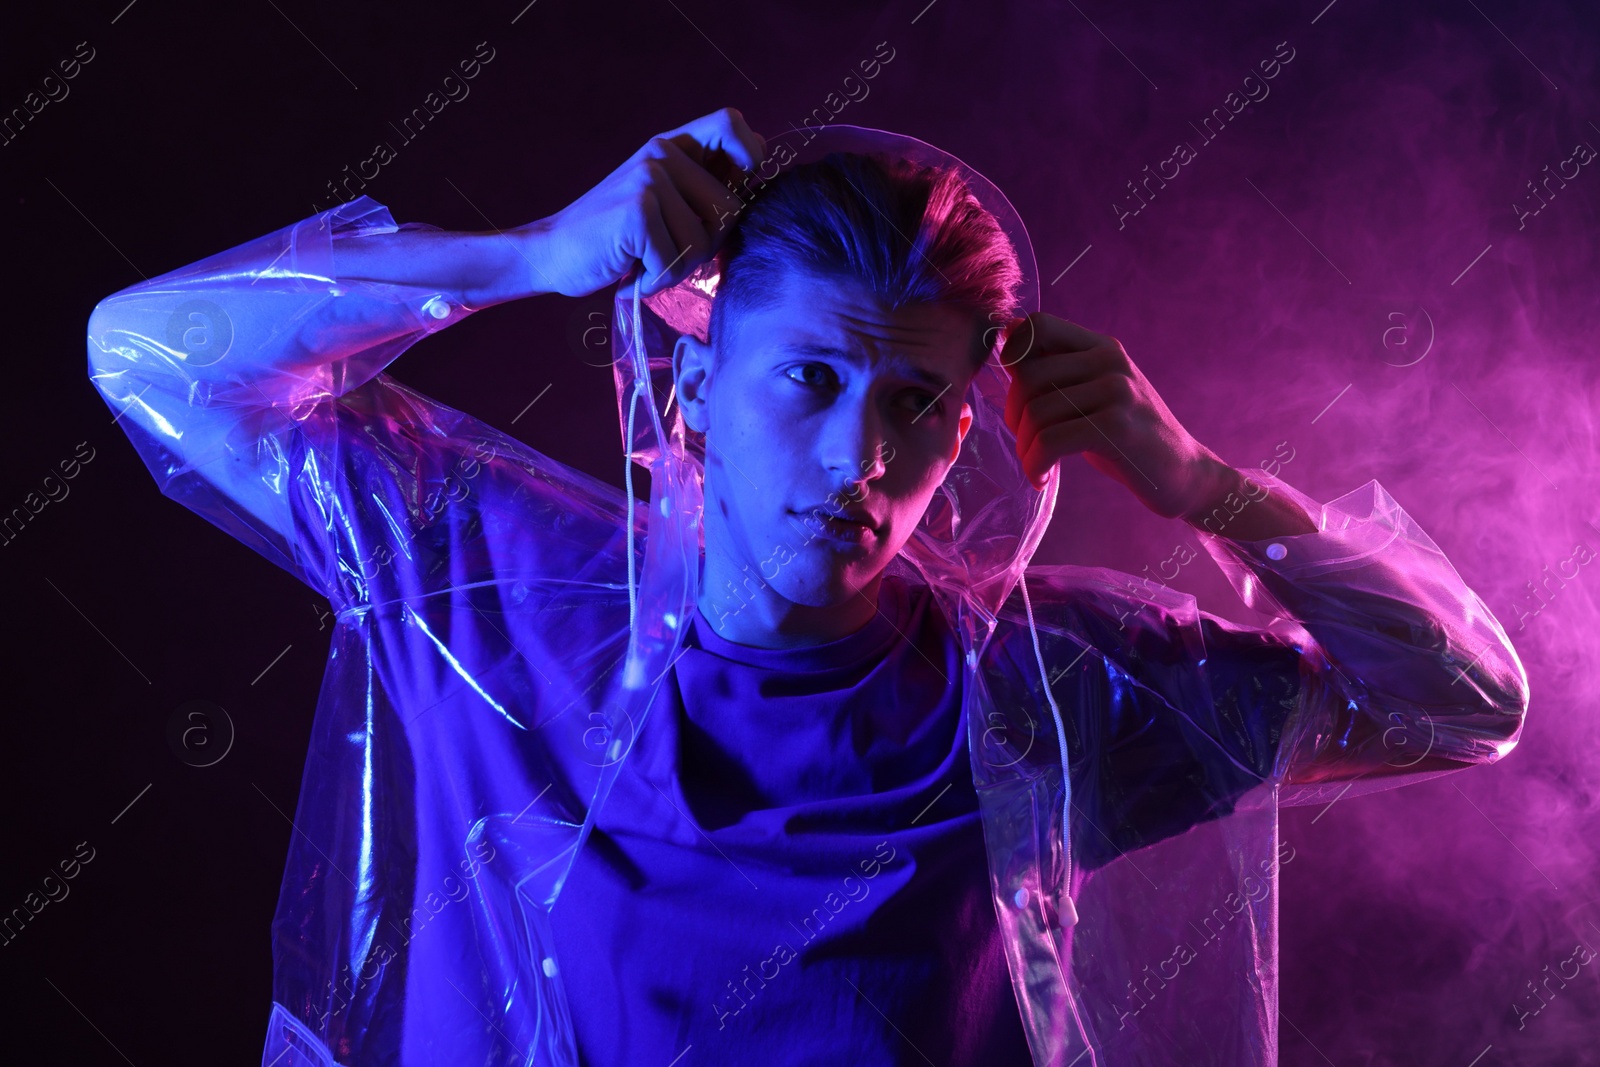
x=825 y=582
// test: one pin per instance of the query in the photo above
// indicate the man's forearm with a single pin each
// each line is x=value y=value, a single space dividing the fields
x=260 y=324
x=477 y=269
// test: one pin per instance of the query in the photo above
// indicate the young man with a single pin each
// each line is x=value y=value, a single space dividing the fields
x=842 y=832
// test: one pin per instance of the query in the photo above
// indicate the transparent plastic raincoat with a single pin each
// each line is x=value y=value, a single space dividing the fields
x=504 y=623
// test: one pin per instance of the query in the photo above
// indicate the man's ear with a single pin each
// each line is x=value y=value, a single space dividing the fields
x=962 y=427
x=691 y=374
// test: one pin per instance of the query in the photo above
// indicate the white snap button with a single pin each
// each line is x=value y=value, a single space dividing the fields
x=1276 y=551
x=438 y=308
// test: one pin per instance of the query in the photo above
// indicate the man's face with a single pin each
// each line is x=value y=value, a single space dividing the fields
x=826 y=402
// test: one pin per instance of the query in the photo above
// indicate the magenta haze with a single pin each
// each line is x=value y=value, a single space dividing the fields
x=1540 y=195
x=1255 y=90
x=1382 y=178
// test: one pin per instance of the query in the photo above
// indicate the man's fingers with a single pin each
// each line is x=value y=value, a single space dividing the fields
x=727 y=130
x=1031 y=335
x=1042 y=375
x=1044 y=352
x=1020 y=339
x=1053 y=443
x=692 y=237
x=691 y=168
x=706 y=195
x=658 y=251
x=1068 y=405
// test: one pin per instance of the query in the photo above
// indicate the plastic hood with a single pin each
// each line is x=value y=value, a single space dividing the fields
x=984 y=522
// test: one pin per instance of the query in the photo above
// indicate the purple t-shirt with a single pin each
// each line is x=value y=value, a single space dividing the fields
x=790 y=868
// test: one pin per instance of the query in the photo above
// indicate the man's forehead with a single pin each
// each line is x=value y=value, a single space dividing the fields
x=843 y=321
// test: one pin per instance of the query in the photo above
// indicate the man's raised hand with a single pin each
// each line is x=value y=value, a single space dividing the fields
x=1074 y=390
x=668 y=207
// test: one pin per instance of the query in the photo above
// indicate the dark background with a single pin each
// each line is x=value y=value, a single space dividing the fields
x=1309 y=278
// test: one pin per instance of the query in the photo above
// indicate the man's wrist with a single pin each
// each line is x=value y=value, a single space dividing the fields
x=1242 y=509
x=475 y=268
x=514 y=261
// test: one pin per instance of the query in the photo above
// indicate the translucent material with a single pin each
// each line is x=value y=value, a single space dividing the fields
x=504 y=622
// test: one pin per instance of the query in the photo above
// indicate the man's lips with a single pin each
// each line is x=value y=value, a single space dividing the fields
x=856 y=515
x=848 y=526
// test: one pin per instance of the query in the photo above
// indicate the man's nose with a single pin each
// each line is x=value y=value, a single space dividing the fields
x=854 y=444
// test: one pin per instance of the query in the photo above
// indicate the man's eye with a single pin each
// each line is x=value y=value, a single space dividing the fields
x=818 y=374
x=926 y=402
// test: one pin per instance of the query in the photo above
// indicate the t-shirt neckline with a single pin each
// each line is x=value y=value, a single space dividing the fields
x=885 y=626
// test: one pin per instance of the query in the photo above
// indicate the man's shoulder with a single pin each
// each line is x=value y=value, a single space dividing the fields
x=399 y=489
x=1088 y=599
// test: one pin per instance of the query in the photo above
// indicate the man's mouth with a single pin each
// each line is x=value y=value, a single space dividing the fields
x=858 y=530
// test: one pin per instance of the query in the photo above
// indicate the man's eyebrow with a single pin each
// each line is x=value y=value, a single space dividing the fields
x=900 y=364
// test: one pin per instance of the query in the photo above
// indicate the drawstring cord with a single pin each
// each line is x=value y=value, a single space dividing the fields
x=641 y=381
x=1069 y=910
